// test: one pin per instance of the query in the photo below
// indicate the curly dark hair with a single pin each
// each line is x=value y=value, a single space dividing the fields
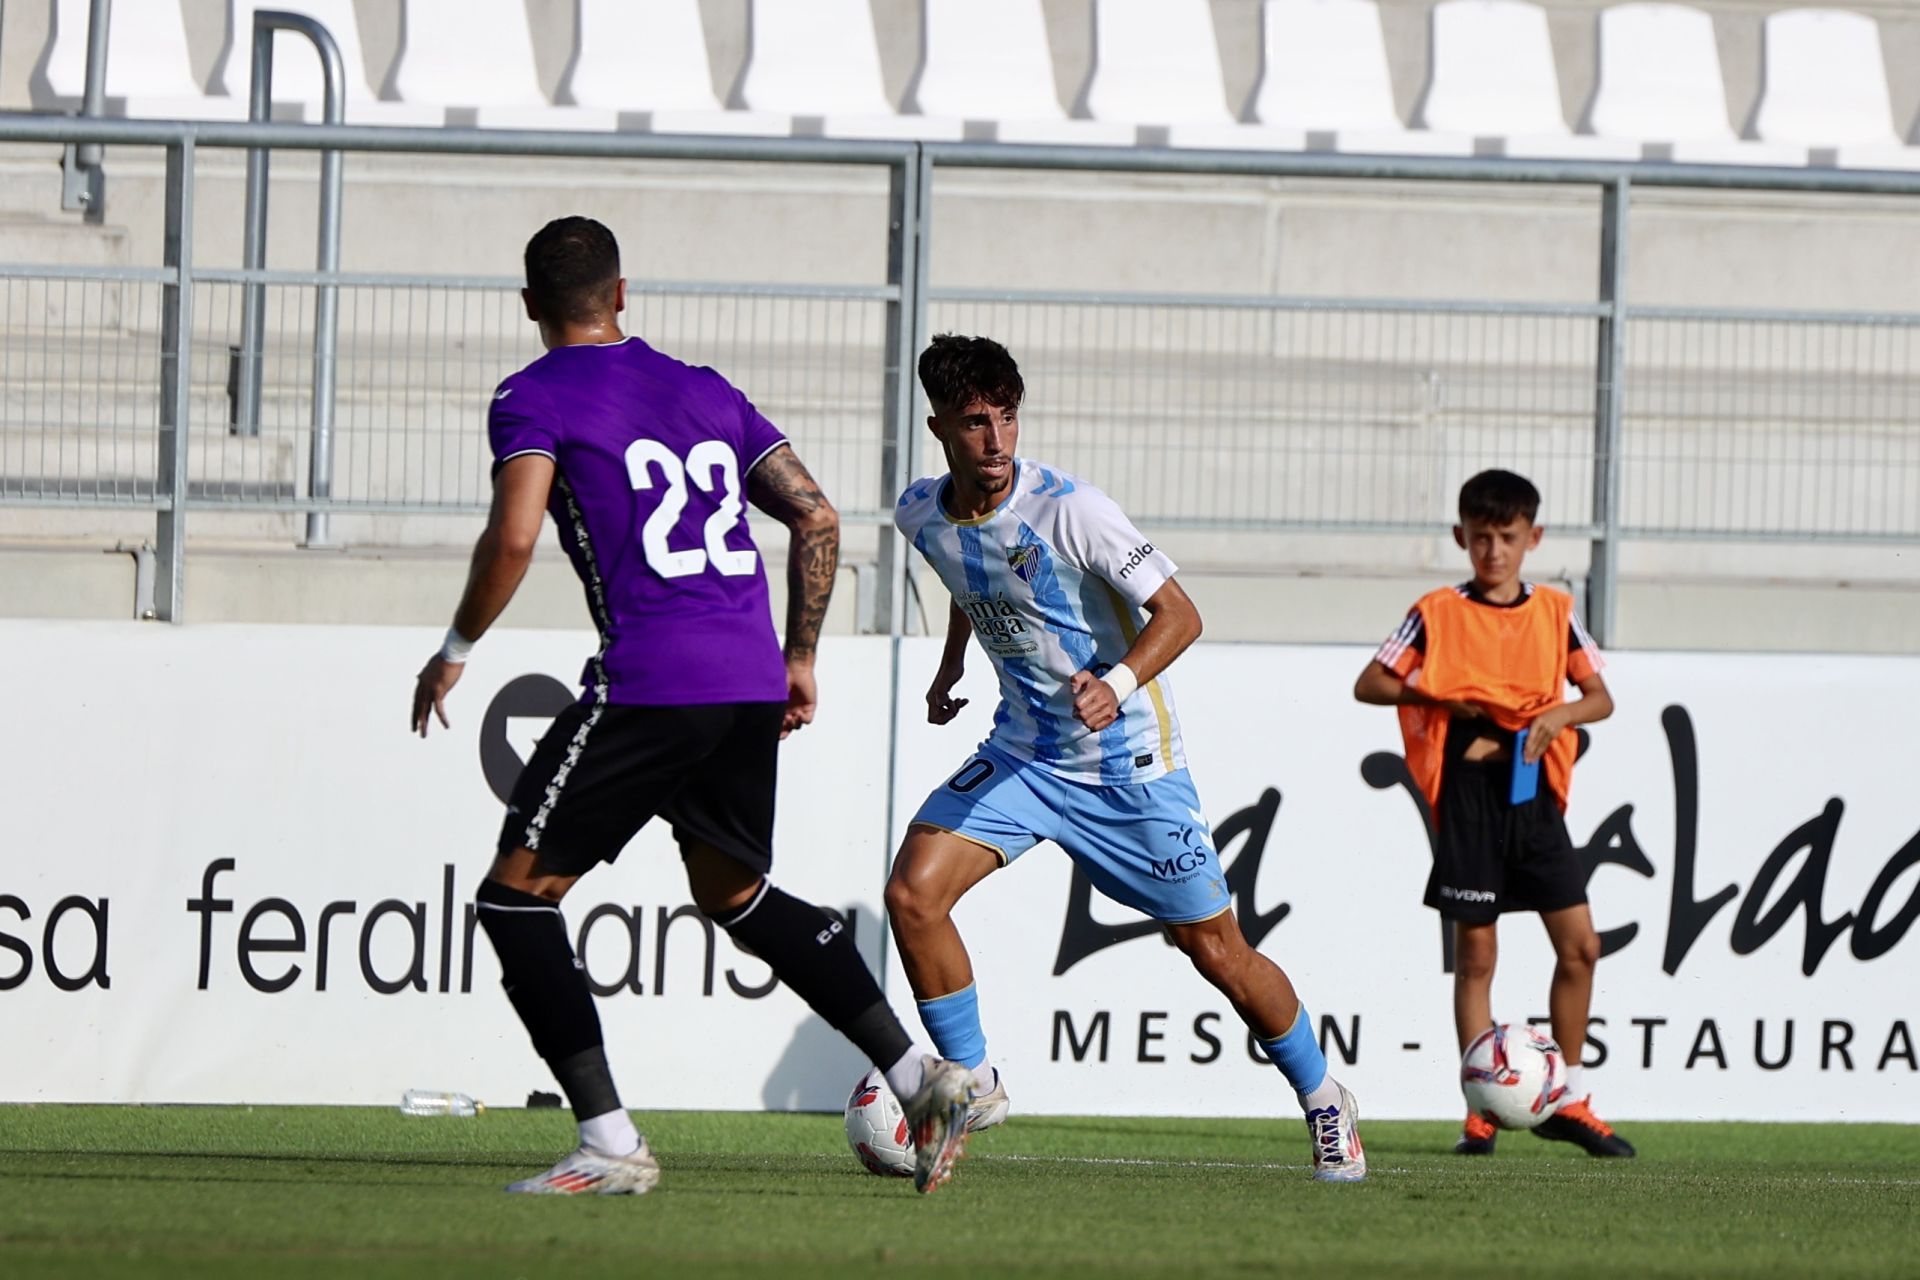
x=956 y=371
x=572 y=266
x=1499 y=498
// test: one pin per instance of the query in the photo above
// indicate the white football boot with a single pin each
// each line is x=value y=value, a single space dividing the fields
x=990 y=1108
x=937 y=1117
x=595 y=1173
x=1335 y=1133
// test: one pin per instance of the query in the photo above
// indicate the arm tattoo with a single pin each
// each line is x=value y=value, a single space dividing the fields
x=812 y=558
x=782 y=487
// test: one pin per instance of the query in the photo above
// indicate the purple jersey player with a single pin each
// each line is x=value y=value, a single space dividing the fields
x=649 y=496
x=646 y=465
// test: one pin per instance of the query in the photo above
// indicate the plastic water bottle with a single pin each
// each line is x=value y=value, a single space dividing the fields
x=435 y=1102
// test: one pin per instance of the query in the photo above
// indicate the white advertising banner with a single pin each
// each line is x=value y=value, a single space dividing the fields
x=1753 y=822
x=235 y=877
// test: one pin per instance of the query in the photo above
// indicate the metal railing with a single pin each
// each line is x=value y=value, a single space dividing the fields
x=1254 y=413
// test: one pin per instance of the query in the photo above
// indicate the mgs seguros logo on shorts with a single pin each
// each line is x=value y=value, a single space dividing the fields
x=1189 y=858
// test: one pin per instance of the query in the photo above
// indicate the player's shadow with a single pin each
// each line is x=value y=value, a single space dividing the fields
x=819 y=1068
x=815 y=1072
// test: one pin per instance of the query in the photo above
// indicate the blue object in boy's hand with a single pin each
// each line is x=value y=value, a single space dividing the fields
x=1526 y=777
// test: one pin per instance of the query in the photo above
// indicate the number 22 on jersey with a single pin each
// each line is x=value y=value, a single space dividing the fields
x=713 y=467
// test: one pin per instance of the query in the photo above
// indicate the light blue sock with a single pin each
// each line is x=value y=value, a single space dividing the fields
x=1298 y=1056
x=954 y=1023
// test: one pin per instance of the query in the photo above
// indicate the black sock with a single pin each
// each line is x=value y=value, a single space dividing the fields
x=814 y=954
x=548 y=990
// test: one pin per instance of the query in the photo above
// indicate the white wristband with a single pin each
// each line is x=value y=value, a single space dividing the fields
x=1122 y=681
x=455 y=647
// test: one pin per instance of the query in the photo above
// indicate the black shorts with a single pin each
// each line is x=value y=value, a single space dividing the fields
x=1494 y=856
x=602 y=771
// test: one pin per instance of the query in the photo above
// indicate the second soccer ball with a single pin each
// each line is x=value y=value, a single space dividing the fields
x=1513 y=1076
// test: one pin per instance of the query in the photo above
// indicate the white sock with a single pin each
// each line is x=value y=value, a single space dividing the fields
x=612 y=1133
x=1326 y=1094
x=1576 y=1081
x=983 y=1076
x=907 y=1075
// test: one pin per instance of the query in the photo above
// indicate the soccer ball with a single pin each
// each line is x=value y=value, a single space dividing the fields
x=877 y=1128
x=1513 y=1077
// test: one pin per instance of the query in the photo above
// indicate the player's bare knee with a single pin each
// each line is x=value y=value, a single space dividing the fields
x=1474 y=957
x=523 y=871
x=1579 y=954
x=913 y=901
x=719 y=884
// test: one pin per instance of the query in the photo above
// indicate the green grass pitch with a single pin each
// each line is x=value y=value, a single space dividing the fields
x=299 y=1191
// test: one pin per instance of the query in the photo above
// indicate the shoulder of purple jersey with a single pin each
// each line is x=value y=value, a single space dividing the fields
x=703 y=375
x=525 y=381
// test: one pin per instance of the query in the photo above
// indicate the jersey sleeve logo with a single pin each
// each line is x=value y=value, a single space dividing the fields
x=1135 y=558
x=1024 y=561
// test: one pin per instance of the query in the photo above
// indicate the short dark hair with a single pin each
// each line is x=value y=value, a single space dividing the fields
x=956 y=371
x=572 y=266
x=1499 y=498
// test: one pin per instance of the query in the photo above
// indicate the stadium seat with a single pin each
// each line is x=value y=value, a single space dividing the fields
x=648 y=62
x=818 y=62
x=1324 y=72
x=1823 y=84
x=1156 y=66
x=149 y=70
x=299 y=90
x=1491 y=75
x=988 y=63
x=474 y=58
x=1660 y=86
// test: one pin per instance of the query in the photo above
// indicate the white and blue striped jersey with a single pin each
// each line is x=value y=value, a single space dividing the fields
x=1053 y=579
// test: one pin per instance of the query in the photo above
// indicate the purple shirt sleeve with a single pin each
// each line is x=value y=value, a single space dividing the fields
x=758 y=437
x=518 y=421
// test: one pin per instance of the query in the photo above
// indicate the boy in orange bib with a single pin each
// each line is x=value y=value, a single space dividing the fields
x=1469 y=670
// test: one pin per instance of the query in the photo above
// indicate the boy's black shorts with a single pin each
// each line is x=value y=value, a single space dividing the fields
x=1493 y=856
x=602 y=772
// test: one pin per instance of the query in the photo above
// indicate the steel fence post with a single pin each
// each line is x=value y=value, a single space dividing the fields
x=253 y=247
x=908 y=205
x=176 y=380
x=1603 y=572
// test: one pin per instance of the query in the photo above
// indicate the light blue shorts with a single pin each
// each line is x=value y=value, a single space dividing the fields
x=1145 y=845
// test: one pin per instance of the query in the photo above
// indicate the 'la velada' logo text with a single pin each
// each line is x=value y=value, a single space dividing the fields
x=1765 y=908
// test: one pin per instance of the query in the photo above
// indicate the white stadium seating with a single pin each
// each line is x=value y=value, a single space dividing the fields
x=149 y=71
x=1823 y=84
x=986 y=73
x=1156 y=65
x=1660 y=85
x=647 y=60
x=819 y=62
x=988 y=63
x=299 y=90
x=1492 y=76
x=474 y=59
x=1325 y=72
